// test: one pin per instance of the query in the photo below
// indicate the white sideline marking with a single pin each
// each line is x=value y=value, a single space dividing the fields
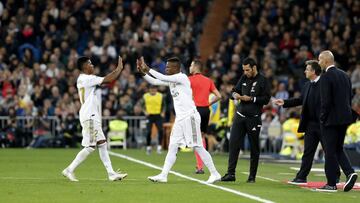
x=27 y=178
x=262 y=177
x=321 y=175
x=312 y=169
x=253 y=197
x=286 y=174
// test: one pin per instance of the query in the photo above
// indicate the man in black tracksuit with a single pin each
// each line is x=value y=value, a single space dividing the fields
x=252 y=91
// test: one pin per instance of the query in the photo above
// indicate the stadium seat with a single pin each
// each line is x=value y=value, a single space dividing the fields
x=274 y=135
x=117 y=133
x=290 y=140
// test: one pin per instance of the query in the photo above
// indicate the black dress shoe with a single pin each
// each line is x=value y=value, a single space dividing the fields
x=351 y=180
x=298 y=181
x=327 y=188
x=251 y=180
x=228 y=177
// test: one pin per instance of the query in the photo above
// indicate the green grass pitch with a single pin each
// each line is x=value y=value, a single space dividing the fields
x=35 y=176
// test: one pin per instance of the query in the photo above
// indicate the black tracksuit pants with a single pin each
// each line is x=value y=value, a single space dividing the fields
x=158 y=120
x=244 y=126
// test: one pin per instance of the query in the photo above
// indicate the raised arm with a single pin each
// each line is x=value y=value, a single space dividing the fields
x=147 y=77
x=154 y=81
x=165 y=78
x=115 y=73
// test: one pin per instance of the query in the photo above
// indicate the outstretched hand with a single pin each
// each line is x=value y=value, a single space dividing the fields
x=144 y=68
x=138 y=66
x=120 y=63
x=278 y=102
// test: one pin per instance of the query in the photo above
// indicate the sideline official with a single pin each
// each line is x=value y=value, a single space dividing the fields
x=253 y=91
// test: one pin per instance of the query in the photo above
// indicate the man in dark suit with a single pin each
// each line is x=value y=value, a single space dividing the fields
x=309 y=121
x=335 y=116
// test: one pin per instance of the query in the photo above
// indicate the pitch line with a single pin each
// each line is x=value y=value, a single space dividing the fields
x=253 y=197
x=40 y=179
x=262 y=177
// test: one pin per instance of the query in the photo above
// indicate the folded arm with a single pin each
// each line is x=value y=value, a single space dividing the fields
x=264 y=98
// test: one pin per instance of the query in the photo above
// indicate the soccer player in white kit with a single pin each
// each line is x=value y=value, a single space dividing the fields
x=90 y=118
x=186 y=128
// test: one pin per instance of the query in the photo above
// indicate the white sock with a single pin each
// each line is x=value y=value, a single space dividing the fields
x=206 y=158
x=170 y=159
x=80 y=157
x=104 y=156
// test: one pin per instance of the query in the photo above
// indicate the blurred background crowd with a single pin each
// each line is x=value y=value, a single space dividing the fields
x=41 y=40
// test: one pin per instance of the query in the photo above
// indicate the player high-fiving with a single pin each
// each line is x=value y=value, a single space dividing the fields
x=90 y=117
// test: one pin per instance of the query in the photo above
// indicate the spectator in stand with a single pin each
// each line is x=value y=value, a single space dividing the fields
x=69 y=131
x=66 y=30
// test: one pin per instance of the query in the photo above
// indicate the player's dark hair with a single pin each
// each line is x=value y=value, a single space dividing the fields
x=251 y=62
x=81 y=61
x=175 y=60
x=314 y=64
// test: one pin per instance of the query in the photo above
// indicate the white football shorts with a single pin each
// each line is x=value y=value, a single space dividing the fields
x=91 y=132
x=186 y=132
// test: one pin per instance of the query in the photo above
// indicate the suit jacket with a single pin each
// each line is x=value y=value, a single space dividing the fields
x=335 y=94
x=302 y=100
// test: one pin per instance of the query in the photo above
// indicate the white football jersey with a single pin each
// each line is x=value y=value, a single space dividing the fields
x=180 y=89
x=90 y=97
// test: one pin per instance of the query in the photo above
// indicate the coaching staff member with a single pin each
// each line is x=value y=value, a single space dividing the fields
x=335 y=116
x=310 y=118
x=253 y=91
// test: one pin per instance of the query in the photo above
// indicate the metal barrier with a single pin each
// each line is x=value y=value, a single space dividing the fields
x=136 y=129
x=26 y=123
x=135 y=134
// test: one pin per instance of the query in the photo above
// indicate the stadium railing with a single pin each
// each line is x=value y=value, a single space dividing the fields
x=135 y=132
x=26 y=123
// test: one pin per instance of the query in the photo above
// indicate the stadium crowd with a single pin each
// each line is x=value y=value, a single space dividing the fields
x=41 y=40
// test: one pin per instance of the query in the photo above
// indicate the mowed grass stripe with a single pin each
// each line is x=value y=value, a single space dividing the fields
x=35 y=176
x=249 y=196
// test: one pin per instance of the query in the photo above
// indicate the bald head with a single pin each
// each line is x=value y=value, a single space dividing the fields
x=326 y=59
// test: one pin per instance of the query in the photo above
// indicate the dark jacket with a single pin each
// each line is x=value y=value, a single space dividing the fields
x=335 y=94
x=258 y=88
x=302 y=100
